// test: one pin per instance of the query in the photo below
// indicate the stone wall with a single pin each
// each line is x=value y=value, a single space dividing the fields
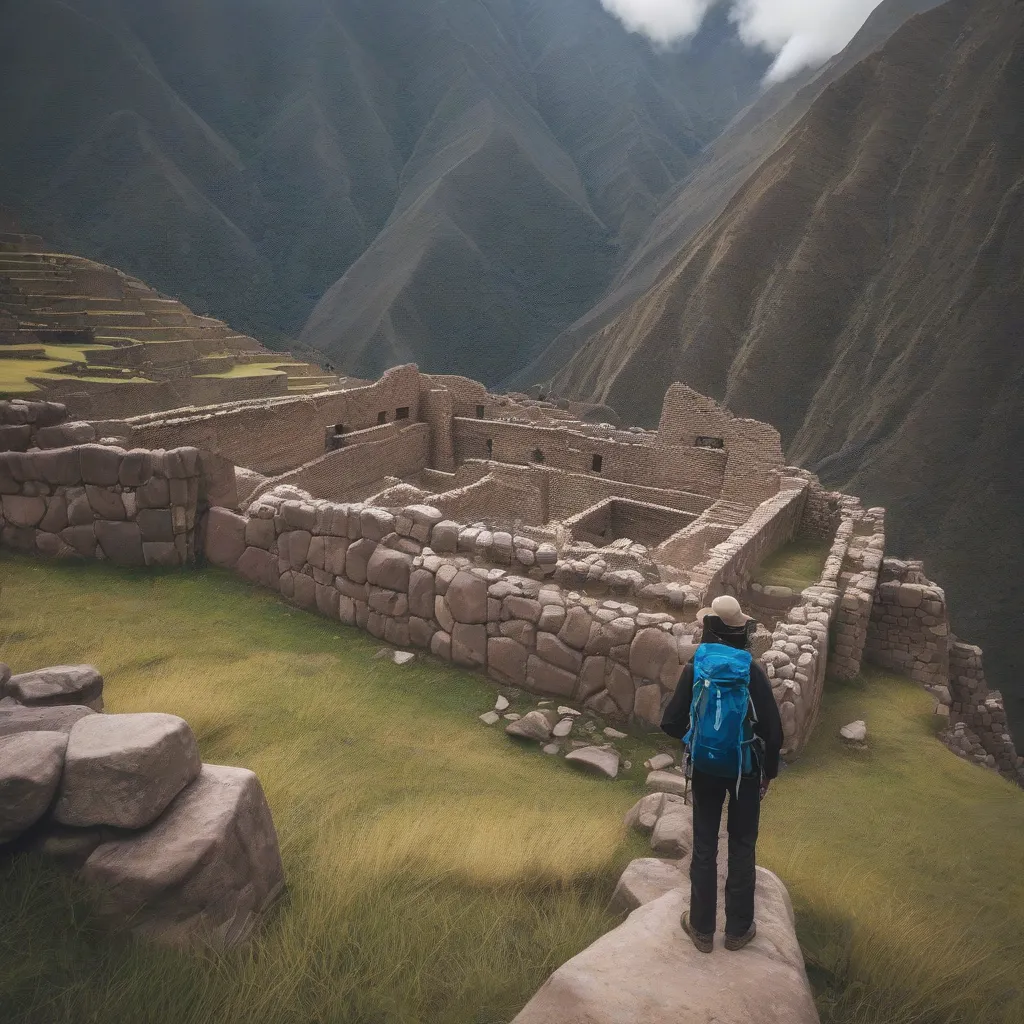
x=171 y=848
x=859 y=580
x=977 y=719
x=21 y=421
x=909 y=628
x=730 y=564
x=98 y=501
x=281 y=434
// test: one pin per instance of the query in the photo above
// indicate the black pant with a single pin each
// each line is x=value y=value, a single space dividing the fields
x=708 y=796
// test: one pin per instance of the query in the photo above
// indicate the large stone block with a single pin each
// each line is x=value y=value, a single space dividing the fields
x=543 y=677
x=260 y=533
x=389 y=568
x=158 y=528
x=467 y=598
x=647 y=704
x=621 y=687
x=421 y=594
x=469 y=644
x=552 y=650
x=647 y=971
x=101 y=464
x=357 y=559
x=105 y=503
x=121 y=542
x=123 y=770
x=575 y=630
x=59 y=684
x=205 y=871
x=30 y=767
x=654 y=655
x=644 y=880
x=14 y=720
x=22 y=511
x=506 y=660
x=225 y=537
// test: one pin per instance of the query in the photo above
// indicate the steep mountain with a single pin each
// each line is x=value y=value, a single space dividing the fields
x=461 y=177
x=864 y=291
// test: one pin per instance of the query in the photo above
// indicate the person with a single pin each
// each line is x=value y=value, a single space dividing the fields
x=726 y=623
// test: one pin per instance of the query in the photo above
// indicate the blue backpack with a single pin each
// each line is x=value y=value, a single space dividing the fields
x=721 y=737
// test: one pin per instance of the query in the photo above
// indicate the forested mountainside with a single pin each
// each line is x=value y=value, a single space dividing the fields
x=461 y=177
x=864 y=291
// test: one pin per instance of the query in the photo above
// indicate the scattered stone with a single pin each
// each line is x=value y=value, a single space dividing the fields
x=489 y=718
x=667 y=782
x=534 y=725
x=601 y=760
x=855 y=732
x=30 y=767
x=551 y=748
x=563 y=710
x=403 y=657
x=644 y=880
x=563 y=728
x=614 y=734
x=501 y=703
x=512 y=717
x=659 y=761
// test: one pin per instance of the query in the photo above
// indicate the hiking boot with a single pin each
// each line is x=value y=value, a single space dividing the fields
x=739 y=941
x=703 y=942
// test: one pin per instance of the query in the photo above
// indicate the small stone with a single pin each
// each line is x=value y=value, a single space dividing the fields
x=855 y=732
x=535 y=725
x=501 y=703
x=563 y=728
x=402 y=657
x=614 y=734
x=658 y=762
x=512 y=717
x=489 y=718
x=563 y=710
x=600 y=760
x=551 y=748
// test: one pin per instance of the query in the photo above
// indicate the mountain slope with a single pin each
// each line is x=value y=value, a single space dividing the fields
x=246 y=154
x=864 y=292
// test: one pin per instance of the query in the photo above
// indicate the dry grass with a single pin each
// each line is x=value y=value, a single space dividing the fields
x=797 y=564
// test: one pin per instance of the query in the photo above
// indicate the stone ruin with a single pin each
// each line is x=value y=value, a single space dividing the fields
x=177 y=850
x=505 y=533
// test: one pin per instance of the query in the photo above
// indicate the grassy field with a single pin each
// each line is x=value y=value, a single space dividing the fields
x=797 y=564
x=248 y=370
x=438 y=872
x=905 y=865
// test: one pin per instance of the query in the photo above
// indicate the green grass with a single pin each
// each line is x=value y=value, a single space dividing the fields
x=14 y=373
x=247 y=370
x=437 y=871
x=797 y=564
x=905 y=865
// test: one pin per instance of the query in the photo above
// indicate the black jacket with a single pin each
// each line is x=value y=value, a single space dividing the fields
x=676 y=720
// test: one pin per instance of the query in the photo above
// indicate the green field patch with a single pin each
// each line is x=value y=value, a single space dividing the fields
x=247 y=370
x=797 y=565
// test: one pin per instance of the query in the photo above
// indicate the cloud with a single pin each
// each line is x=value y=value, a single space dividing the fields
x=801 y=33
x=663 y=21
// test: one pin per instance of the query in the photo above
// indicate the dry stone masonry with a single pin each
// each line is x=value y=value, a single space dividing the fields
x=503 y=533
x=177 y=850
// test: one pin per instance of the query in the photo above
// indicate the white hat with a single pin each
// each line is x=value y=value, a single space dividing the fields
x=728 y=609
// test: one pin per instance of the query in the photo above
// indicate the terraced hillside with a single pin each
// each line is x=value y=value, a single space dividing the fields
x=106 y=344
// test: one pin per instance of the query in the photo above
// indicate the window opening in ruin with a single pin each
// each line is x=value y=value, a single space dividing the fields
x=339 y=428
x=402 y=412
x=538 y=455
x=709 y=442
x=382 y=417
x=595 y=463
x=480 y=412
x=490 y=447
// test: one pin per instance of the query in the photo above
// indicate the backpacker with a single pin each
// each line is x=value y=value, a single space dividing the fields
x=721 y=738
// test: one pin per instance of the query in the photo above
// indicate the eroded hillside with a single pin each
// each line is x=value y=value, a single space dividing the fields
x=864 y=292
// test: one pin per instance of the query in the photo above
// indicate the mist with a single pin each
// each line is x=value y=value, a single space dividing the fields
x=800 y=33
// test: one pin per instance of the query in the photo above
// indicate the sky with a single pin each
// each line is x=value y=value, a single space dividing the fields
x=799 y=33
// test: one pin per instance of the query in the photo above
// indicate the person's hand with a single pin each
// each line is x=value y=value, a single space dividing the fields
x=764 y=787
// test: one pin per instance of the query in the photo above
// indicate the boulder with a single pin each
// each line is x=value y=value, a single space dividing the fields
x=60 y=684
x=30 y=767
x=545 y=678
x=534 y=725
x=205 y=870
x=647 y=971
x=389 y=568
x=14 y=720
x=644 y=880
x=600 y=760
x=467 y=598
x=123 y=770
x=672 y=835
x=654 y=655
x=121 y=542
x=644 y=814
x=658 y=762
x=506 y=659
x=259 y=566
x=469 y=645
x=225 y=537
